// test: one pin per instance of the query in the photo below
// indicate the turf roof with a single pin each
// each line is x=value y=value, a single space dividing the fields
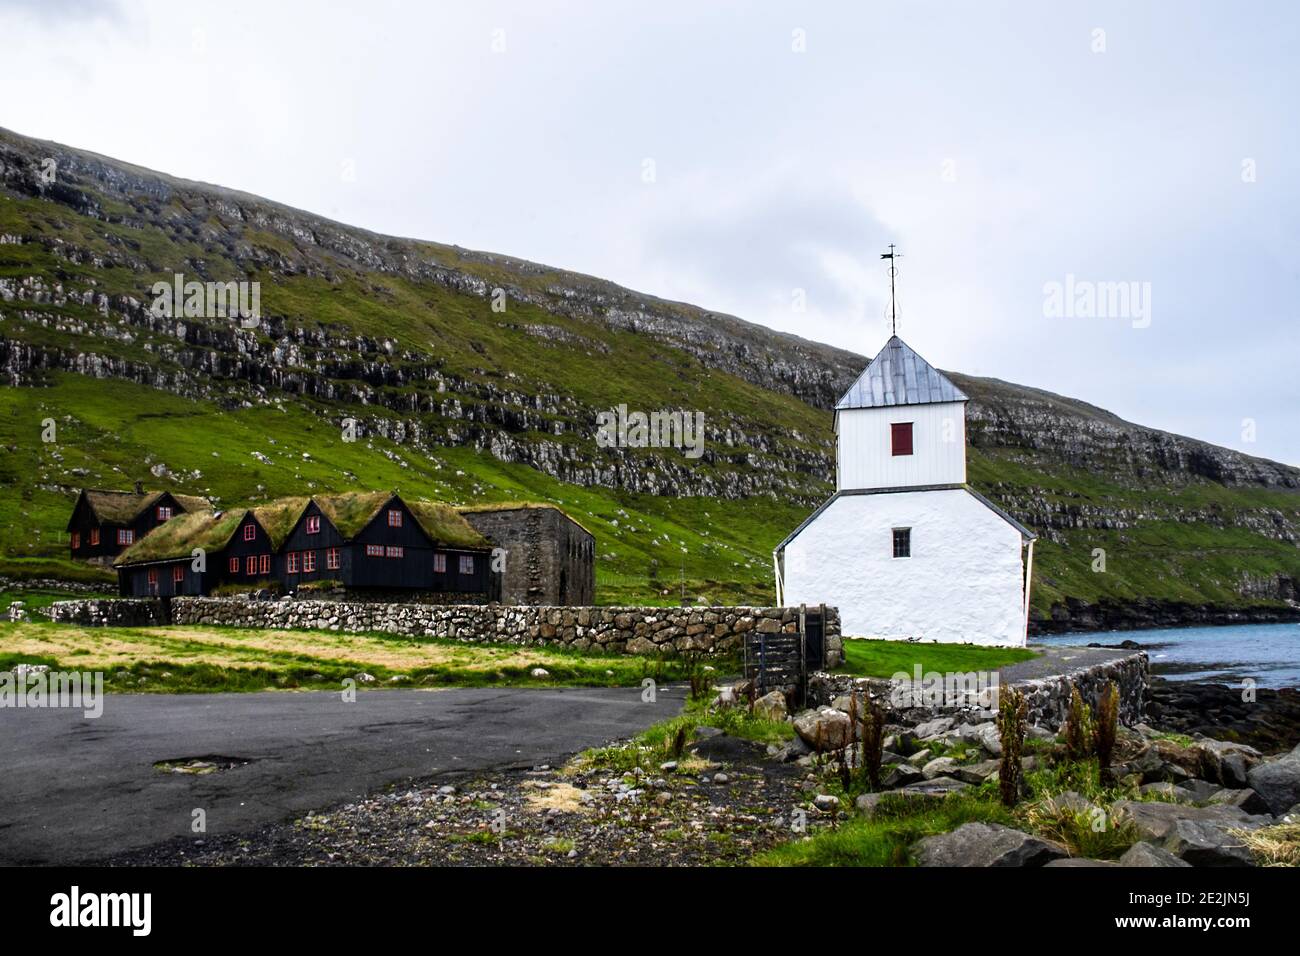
x=122 y=507
x=178 y=537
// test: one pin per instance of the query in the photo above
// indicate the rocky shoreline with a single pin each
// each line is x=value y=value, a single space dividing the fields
x=1076 y=617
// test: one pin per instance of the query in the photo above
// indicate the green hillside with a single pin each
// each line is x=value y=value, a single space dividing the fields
x=460 y=401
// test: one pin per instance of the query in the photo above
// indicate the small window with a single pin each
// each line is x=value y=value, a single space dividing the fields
x=467 y=564
x=125 y=536
x=394 y=518
x=332 y=559
x=153 y=577
x=94 y=536
x=900 y=435
x=234 y=565
x=313 y=524
x=395 y=551
x=264 y=564
x=308 y=561
x=439 y=564
x=250 y=531
x=178 y=574
x=76 y=539
x=164 y=513
x=902 y=542
x=250 y=565
x=374 y=551
x=292 y=562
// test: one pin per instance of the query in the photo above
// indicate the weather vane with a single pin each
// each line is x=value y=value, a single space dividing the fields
x=893 y=271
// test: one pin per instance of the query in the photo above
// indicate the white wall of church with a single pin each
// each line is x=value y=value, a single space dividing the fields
x=963 y=582
x=865 y=458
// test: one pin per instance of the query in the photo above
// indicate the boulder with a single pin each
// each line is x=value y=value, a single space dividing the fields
x=826 y=728
x=771 y=706
x=1277 y=782
x=933 y=728
x=985 y=844
x=977 y=773
x=1202 y=836
x=989 y=738
x=1168 y=792
x=1246 y=799
x=1148 y=854
x=901 y=776
x=938 y=787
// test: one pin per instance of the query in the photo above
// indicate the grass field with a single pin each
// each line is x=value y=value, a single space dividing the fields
x=887 y=658
x=197 y=659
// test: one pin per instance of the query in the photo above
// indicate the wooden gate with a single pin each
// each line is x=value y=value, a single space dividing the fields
x=783 y=660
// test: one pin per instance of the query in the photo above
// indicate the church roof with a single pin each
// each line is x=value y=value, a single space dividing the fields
x=898 y=376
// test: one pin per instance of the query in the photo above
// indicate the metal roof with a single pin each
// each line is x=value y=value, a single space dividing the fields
x=898 y=376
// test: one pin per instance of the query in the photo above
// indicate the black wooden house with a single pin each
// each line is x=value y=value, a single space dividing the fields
x=104 y=523
x=371 y=542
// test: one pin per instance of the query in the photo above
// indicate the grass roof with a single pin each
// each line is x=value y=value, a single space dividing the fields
x=178 y=537
x=192 y=502
x=518 y=506
x=445 y=525
x=351 y=511
x=278 y=517
x=118 y=506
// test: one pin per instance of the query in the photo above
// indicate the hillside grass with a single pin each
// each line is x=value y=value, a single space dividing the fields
x=872 y=658
x=193 y=659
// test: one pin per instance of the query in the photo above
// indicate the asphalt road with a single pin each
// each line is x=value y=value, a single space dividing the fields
x=75 y=790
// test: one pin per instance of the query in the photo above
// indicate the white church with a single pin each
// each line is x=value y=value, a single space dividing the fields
x=904 y=548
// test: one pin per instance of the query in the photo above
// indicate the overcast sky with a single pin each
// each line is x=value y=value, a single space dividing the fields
x=733 y=154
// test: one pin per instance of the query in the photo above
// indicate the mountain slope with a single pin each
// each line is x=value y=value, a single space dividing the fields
x=459 y=401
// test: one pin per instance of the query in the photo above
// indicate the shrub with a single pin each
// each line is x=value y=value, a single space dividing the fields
x=1079 y=742
x=1107 y=728
x=1012 y=709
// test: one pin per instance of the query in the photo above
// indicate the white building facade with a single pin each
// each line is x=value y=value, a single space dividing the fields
x=904 y=548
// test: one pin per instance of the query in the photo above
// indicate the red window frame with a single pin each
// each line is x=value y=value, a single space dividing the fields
x=94 y=536
x=467 y=564
x=394 y=517
x=178 y=574
x=308 y=562
x=900 y=438
x=313 y=524
x=250 y=565
x=439 y=564
x=374 y=551
x=332 y=559
x=233 y=565
x=394 y=551
x=250 y=532
x=164 y=513
x=125 y=536
x=291 y=566
x=76 y=539
x=264 y=563
x=153 y=577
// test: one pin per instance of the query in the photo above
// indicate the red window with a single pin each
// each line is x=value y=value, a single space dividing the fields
x=234 y=565
x=265 y=563
x=250 y=564
x=313 y=524
x=467 y=564
x=292 y=562
x=900 y=434
x=76 y=539
x=250 y=531
x=332 y=559
x=374 y=550
x=394 y=551
x=153 y=577
x=394 y=518
x=308 y=561
x=125 y=536
x=164 y=513
x=178 y=574
x=94 y=536
x=439 y=564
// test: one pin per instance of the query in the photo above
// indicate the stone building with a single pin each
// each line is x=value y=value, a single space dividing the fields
x=550 y=558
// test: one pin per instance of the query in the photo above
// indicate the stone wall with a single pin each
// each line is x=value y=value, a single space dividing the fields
x=1048 y=698
x=633 y=630
x=110 y=612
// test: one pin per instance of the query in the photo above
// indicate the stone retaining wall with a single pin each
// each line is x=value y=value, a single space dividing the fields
x=632 y=630
x=110 y=612
x=1048 y=698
